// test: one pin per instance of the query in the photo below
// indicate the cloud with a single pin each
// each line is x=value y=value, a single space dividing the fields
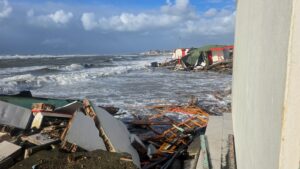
x=58 y=18
x=168 y=15
x=210 y=12
x=5 y=9
x=61 y=17
x=178 y=17
x=179 y=6
x=88 y=21
x=128 y=21
x=222 y=22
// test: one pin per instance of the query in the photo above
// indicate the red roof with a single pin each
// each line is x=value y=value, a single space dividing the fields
x=221 y=48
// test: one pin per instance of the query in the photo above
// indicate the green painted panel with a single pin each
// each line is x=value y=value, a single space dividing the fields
x=28 y=101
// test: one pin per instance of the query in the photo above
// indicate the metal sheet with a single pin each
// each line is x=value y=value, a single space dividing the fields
x=84 y=133
x=14 y=116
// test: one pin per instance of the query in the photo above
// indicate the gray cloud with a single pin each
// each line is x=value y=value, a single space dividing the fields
x=58 y=18
x=5 y=9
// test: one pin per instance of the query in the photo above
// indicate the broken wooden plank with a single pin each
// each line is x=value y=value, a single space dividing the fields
x=39 y=116
x=42 y=107
x=4 y=136
x=149 y=122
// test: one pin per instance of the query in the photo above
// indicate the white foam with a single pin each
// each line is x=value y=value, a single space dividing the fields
x=75 y=74
x=20 y=69
x=53 y=56
x=73 y=67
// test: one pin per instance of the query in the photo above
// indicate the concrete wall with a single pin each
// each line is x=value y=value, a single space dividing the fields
x=266 y=84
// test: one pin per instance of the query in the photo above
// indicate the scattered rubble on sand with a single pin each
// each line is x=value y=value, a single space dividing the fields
x=55 y=133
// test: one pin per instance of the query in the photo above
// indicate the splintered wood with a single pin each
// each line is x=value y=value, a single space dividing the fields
x=179 y=132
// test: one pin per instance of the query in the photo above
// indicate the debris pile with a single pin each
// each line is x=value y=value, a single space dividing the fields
x=221 y=67
x=52 y=133
x=216 y=58
x=168 y=137
x=31 y=125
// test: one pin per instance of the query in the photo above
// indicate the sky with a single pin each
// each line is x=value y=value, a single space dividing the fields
x=112 y=26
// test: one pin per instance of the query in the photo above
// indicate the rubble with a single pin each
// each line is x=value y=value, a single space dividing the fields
x=220 y=67
x=67 y=125
x=8 y=153
x=217 y=58
x=170 y=137
x=83 y=135
x=110 y=109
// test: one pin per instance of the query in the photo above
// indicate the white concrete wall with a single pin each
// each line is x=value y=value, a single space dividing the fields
x=290 y=138
x=266 y=84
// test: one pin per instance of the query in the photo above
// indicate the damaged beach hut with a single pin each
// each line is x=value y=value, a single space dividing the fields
x=207 y=55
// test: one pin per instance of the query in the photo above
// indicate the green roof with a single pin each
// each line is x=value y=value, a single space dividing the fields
x=28 y=101
x=208 y=47
x=193 y=55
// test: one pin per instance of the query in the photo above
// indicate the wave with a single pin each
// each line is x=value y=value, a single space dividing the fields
x=56 y=56
x=20 y=69
x=71 y=74
x=71 y=67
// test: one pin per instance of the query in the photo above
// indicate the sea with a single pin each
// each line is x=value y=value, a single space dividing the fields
x=124 y=81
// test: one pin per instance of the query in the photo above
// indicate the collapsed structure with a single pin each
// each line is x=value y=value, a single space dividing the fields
x=75 y=124
x=207 y=55
x=211 y=57
x=31 y=125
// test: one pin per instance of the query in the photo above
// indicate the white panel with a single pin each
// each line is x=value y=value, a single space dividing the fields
x=13 y=115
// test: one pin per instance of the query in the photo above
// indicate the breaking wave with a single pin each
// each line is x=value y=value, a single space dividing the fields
x=20 y=69
x=72 y=67
x=50 y=56
x=71 y=74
